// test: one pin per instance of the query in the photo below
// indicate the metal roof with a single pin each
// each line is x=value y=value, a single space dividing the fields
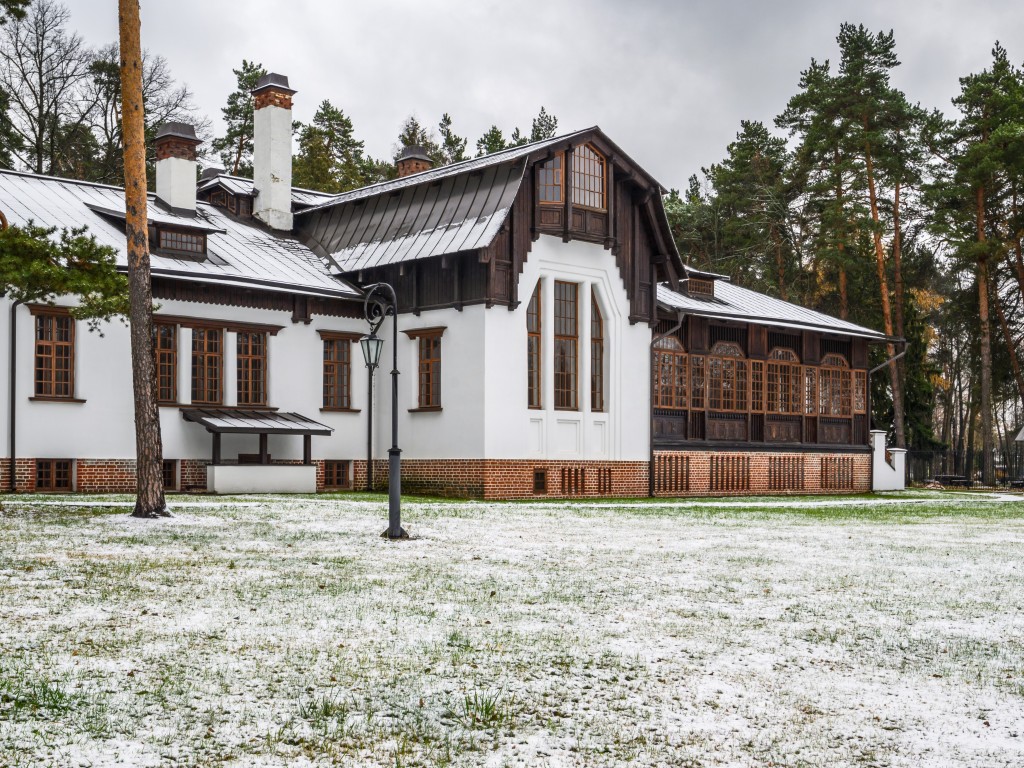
x=238 y=253
x=224 y=420
x=457 y=212
x=731 y=302
x=239 y=185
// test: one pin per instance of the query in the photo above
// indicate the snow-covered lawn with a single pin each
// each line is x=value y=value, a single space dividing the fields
x=256 y=632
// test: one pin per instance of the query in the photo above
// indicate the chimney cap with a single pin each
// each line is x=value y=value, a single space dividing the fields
x=414 y=152
x=275 y=81
x=177 y=130
x=211 y=173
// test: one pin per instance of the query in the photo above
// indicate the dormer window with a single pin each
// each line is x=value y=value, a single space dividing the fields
x=177 y=243
x=588 y=174
x=700 y=289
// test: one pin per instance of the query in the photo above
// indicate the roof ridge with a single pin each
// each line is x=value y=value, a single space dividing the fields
x=294 y=188
x=46 y=177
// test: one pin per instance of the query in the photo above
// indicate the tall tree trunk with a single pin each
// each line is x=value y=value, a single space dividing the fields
x=1011 y=348
x=883 y=281
x=780 y=265
x=844 y=296
x=149 y=500
x=987 y=468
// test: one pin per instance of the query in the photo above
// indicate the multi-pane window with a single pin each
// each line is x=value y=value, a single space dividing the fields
x=170 y=475
x=834 y=387
x=727 y=378
x=192 y=243
x=533 y=347
x=566 y=345
x=670 y=374
x=336 y=474
x=757 y=386
x=784 y=387
x=697 y=382
x=53 y=475
x=549 y=181
x=430 y=371
x=55 y=355
x=252 y=368
x=207 y=366
x=165 y=345
x=860 y=391
x=596 y=355
x=588 y=172
x=337 y=372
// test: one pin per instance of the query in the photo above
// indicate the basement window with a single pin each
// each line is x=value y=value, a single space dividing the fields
x=540 y=481
x=53 y=475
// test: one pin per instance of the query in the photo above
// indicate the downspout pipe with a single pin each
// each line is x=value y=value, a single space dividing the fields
x=680 y=316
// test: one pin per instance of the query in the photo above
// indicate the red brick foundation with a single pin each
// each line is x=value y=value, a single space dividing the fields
x=676 y=473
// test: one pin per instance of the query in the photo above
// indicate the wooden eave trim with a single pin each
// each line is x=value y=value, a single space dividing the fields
x=226 y=325
x=49 y=309
x=329 y=335
x=417 y=333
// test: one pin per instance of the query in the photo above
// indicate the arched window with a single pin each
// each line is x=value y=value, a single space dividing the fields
x=588 y=175
x=533 y=367
x=596 y=355
x=670 y=374
x=783 y=391
x=835 y=387
x=727 y=377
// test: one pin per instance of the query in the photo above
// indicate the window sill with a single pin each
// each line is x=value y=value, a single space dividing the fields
x=425 y=409
x=330 y=409
x=51 y=399
x=219 y=407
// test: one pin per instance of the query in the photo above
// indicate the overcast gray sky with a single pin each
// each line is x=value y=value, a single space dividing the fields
x=668 y=81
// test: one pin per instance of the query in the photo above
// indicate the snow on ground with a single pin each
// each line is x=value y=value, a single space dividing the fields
x=266 y=632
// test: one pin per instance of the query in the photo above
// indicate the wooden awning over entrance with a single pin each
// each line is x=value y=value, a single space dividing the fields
x=219 y=421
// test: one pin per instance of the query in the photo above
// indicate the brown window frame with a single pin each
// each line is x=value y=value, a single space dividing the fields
x=835 y=387
x=784 y=391
x=207 y=361
x=567 y=346
x=534 y=347
x=589 y=177
x=53 y=466
x=337 y=370
x=166 y=361
x=251 y=368
x=597 y=339
x=169 y=470
x=428 y=367
x=727 y=378
x=337 y=475
x=551 y=176
x=50 y=381
x=671 y=375
x=182 y=242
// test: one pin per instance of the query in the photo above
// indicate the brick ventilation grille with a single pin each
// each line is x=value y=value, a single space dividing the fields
x=837 y=473
x=730 y=473
x=574 y=481
x=604 y=481
x=671 y=474
x=786 y=473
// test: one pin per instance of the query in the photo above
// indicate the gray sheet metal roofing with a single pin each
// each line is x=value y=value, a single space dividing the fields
x=233 y=421
x=458 y=212
x=238 y=185
x=731 y=302
x=237 y=253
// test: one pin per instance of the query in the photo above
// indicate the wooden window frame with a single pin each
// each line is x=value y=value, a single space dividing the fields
x=206 y=361
x=428 y=367
x=581 y=170
x=534 y=350
x=181 y=235
x=671 y=379
x=45 y=384
x=567 y=348
x=52 y=465
x=860 y=392
x=335 y=468
x=251 y=368
x=835 y=388
x=337 y=371
x=557 y=179
x=597 y=340
x=166 y=362
x=727 y=379
x=169 y=470
x=784 y=382
x=757 y=384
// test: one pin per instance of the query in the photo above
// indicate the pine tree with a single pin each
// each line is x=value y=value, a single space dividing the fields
x=453 y=147
x=492 y=141
x=236 y=146
x=414 y=134
x=545 y=126
x=329 y=158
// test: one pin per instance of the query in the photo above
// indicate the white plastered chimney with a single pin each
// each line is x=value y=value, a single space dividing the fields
x=175 y=146
x=272 y=151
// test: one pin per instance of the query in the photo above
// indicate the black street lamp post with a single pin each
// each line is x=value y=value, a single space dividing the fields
x=380 y=302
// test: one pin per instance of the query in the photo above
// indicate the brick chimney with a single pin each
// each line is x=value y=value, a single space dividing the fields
x=272 y=152
x=413 y=159
x=175 y=146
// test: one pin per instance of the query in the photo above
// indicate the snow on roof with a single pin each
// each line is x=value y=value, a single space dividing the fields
x=239 y=185
x=237 y=253
x=731 y=302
